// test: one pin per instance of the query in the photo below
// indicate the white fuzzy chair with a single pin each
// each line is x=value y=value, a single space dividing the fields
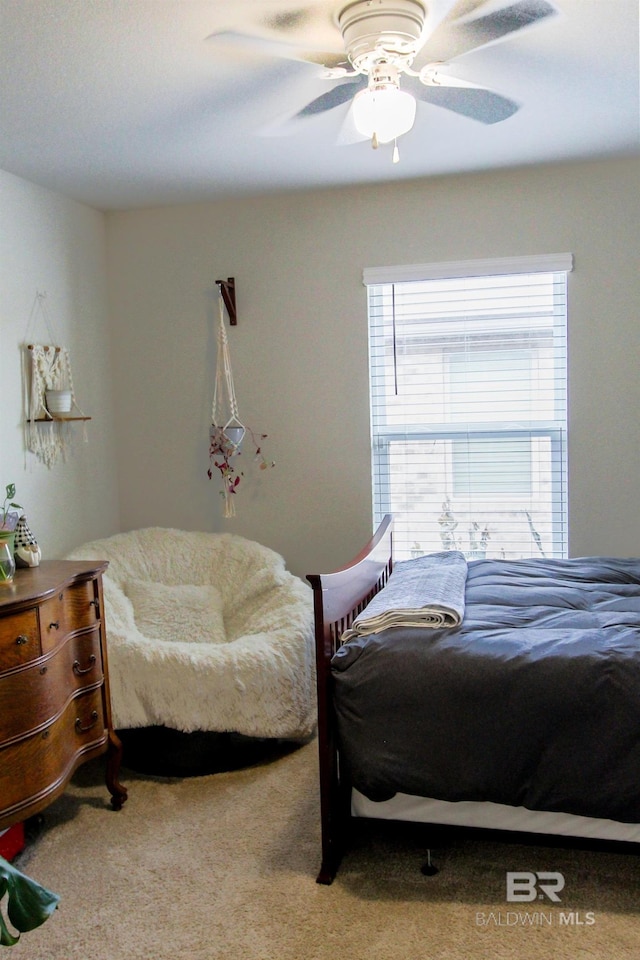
x=206 y=631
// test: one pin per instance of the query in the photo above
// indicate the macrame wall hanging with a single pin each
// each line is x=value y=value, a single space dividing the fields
x=227 y=430
x=49 y=392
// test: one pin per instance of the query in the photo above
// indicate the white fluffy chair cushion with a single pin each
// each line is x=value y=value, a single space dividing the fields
x=253 y=674
x=177 y=611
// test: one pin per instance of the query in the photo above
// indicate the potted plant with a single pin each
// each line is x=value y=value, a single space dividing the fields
x=28 y=904
x=8 y=521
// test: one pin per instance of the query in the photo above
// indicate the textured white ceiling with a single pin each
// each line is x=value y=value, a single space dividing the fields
x=126 y=103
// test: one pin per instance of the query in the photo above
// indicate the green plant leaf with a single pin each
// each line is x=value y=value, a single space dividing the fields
x=6 y=939
x=29 y=904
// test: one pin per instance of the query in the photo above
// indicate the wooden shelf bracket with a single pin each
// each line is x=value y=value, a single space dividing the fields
x=228 y=292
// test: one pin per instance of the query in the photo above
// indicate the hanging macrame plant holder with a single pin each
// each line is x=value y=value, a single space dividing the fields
x=50 y=395
x=227 y=431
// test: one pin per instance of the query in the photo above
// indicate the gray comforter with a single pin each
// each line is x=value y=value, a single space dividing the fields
x=533 y=700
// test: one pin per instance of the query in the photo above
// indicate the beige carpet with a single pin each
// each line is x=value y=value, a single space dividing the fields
x=224 y=866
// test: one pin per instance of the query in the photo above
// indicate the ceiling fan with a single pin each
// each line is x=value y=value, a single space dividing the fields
x=368 y=47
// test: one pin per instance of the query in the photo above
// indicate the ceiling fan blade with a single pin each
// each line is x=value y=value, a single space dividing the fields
x=290 y=20
x=455 y=37
x=300 y=26
x=333 y=97
x=464 y=8
x=478 y=103
x=280 y=15
x=235 y=41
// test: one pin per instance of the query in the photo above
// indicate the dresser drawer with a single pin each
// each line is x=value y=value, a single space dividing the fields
x=19 y=639
x=33 y=695
x=73 y=608
x=35 y=766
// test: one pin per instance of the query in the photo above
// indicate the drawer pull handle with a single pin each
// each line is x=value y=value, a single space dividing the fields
x=22 y=639
x=79 y=671
x=55 y=625
x=94 y=720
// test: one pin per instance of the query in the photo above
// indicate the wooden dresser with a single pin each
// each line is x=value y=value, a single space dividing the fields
x=55 y=711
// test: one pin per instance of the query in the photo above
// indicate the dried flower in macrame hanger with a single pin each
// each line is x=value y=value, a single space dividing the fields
x=227 y=431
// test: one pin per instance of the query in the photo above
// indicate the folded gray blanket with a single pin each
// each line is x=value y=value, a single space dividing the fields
x=425 y=592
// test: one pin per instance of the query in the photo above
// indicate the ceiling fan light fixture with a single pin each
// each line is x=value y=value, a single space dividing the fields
x=383 y=111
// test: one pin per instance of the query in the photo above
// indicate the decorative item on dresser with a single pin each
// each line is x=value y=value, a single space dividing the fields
x=55 y=709
x=8 y=522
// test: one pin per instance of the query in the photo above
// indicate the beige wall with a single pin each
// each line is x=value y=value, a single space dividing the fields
x=299 y=351
x=53 y=245
x=300 y=348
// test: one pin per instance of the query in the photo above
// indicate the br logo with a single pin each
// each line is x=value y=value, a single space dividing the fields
x=524 y=886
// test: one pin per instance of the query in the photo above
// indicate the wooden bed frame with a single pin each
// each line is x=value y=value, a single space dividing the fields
x=338 y=599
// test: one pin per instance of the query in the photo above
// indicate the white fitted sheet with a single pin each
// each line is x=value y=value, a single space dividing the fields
x=494 y=816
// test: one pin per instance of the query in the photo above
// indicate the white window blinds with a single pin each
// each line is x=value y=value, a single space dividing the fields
x=468 y=405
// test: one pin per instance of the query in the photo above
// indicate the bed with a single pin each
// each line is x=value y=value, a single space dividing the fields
x=520 y=714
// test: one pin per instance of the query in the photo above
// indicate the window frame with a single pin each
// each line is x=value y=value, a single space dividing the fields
x=555 y=430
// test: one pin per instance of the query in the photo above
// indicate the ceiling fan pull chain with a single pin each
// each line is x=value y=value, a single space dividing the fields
x=396 y=152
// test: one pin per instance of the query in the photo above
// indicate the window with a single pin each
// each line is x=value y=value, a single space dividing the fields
x=468 y=405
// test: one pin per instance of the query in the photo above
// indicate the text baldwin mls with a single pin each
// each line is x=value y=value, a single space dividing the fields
x=535 y=918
